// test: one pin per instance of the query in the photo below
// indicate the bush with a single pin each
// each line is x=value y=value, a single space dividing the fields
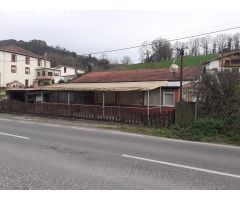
x=210 y=126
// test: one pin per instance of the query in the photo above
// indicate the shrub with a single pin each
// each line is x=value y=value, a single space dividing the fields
x=210 y=126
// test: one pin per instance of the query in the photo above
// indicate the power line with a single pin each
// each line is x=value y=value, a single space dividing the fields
x=175 y=34
x=172 y=40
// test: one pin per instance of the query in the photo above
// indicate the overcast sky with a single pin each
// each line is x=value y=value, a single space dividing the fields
x=92 y=31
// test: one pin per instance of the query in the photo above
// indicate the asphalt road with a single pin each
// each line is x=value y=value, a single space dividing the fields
x=36 y=155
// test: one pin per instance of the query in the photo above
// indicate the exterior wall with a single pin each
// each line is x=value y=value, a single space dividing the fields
x=7 y=76
x=69 y=71
x=213 y=65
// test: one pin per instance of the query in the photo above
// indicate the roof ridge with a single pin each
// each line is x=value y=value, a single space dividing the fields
x=13 y=48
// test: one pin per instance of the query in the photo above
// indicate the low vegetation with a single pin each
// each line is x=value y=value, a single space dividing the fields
x=188 y=61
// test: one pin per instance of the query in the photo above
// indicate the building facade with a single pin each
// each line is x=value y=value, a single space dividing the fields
x=68 y=73
x=226 y=61
x=18 y=64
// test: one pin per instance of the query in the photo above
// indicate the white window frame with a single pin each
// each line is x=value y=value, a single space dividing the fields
x=173 y=93
x=14 y=66
x=27 y=68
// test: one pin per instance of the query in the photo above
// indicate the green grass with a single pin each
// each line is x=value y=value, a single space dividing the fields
x=188 y=61
x=177 y=132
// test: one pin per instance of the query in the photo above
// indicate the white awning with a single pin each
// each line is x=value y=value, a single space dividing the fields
x=118 y=86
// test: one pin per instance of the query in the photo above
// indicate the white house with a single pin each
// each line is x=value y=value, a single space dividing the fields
x=68 y=73
x=227 y=61
x=18 y=64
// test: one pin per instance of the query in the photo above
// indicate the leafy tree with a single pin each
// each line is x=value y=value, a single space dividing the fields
x=219 y=94
x=161 y=50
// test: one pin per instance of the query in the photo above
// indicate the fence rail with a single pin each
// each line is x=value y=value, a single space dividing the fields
x=131 y=115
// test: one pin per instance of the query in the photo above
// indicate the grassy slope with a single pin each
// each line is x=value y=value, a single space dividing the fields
x=187 y=62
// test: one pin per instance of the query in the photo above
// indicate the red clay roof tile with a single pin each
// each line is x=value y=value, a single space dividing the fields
x=189 y=73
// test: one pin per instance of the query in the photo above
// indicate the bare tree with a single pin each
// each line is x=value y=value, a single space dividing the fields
x=236 y=41
x=126 y=60
x=193 y=46
x=214 y=45
x=204 y=43
x=221 y=42
x=229 y=42
x=145 y=52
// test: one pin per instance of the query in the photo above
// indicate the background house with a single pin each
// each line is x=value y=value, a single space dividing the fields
x=18 y=64
x=68 y=73
x=226 y=61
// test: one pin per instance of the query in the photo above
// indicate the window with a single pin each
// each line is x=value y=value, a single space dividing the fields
x=235 y=69
x=154 y=97
x=50 y=73
x=27 y=70
x=65 y=70
x=169 y=99
x=38 y=74
x=227 y=62
x=26 y=83
x=235 y=61
x=39 y=62
x=109 y=97
x=131 y=98
x=14 y=69
x=14 y=58
x=27 y=60
x=43 y=73
x=56 y=73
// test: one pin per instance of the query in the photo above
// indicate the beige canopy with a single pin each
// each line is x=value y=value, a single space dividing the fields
x=118 y=86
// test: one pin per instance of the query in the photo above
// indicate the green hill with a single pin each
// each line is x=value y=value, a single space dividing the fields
x=188 y=61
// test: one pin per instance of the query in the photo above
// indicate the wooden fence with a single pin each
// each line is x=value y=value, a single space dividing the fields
x=131 y=115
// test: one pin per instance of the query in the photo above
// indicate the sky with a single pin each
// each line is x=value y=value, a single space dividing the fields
x=92 y=30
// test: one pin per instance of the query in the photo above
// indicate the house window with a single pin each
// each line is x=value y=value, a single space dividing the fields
x=50 y=74
x=65 y=70
x=43 y=73
x=27 y=60
x=26 y=83
x=227 y=62
x=38 y=74
x=14 y=58
x=56 y=73
x=235 y=69
x=14 y=69
x=169 y=99
x=27 y=70
x=39 y=62
x=109 y=97
x=131 y=98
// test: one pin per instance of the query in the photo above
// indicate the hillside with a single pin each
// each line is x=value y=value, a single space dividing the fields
x=57 y=55
x=188 y=61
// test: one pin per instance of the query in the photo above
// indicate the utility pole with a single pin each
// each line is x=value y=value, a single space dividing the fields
x=181 y=53
x=89 y=63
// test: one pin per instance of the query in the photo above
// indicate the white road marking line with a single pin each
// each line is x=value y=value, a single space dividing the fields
x=129 y=134
x=85 y=129
x=16 y=136
x=184 y=166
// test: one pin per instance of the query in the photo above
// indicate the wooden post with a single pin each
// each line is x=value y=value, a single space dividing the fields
x=68 y=98
x=160 y=100
x=148 y=102
x=26 y=97
x=41 y=96
x=148 y=120
x=103 y=96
